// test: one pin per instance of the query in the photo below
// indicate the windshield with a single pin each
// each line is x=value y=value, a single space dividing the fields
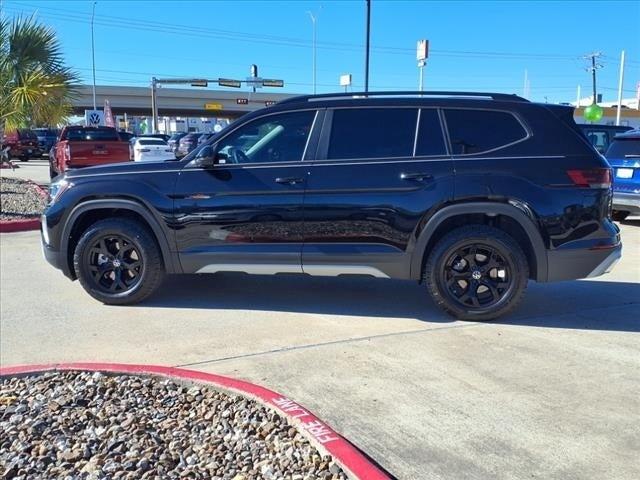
x=623 y=147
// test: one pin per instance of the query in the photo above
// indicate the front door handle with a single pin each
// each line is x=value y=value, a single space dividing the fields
x=416 y=176
x=289 y=180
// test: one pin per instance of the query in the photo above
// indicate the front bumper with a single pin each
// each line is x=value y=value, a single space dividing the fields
x=627 y=202
x=51 y=255
x=572 y=264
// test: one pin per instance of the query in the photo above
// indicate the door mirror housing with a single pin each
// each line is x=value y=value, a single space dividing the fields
x=206 y=157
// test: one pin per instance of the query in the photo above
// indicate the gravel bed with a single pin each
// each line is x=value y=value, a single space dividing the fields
x=84 y=425
x=19 y=200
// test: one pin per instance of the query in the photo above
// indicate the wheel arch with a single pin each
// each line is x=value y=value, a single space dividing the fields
x=88 y=212
x=506 y=216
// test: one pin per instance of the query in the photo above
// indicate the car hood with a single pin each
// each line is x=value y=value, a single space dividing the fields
x=126 y=168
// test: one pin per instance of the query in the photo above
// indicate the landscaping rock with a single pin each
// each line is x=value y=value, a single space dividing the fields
x=19 y=200
x=87 y=425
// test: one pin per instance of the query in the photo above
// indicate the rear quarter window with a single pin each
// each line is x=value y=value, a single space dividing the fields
x=478 y=131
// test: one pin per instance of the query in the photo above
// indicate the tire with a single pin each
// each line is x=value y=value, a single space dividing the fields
x=619 y=215
x=24 y=158
x=126 y=243
x=496 y=275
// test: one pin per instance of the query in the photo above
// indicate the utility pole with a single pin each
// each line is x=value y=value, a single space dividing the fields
x=578 y=98
x=154 y=105
x=366 y=58
x=93 y=55
x=594 y=66
x=313 y=21
x=621 y=81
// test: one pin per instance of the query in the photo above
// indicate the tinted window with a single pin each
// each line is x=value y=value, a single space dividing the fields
x=92 y=134
x=151 y=141
x=622 y=147
x=473 y=131
x=274 y=138
x=430 y=139
x=372 y=133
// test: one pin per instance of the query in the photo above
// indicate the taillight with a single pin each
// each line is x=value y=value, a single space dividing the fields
x=67 y=151
x=591 y=178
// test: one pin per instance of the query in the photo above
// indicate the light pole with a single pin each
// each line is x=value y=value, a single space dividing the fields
x=93 y=55
x=313 y=21
x=366 y=55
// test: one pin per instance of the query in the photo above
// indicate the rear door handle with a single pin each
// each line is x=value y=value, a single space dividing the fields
x=289 y=180
x=416 y=176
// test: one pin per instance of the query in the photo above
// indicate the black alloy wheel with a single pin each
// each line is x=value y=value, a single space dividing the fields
x=477 y=275
x=115 y=264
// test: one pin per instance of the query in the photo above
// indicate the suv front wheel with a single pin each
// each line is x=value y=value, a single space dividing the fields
x=118 y=261
x=476 y=273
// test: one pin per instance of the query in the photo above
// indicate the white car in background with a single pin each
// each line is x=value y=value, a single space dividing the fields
x=150 y=149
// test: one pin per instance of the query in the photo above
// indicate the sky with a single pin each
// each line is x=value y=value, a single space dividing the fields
x=474 y=45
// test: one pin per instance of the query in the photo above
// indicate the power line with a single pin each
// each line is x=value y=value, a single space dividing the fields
x=178 y=29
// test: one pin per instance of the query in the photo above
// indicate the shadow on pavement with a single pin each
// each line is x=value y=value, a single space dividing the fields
x=590 y=305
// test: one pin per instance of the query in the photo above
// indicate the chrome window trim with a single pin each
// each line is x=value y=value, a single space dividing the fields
x=306 y=145
x=415 y=137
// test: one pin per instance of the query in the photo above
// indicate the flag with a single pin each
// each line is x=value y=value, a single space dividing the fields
x=108 y=115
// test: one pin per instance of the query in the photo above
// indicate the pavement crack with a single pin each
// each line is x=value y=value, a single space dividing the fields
x=324 y=344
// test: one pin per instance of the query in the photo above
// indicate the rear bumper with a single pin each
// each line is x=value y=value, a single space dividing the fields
x=581 y=263
x=628 y=202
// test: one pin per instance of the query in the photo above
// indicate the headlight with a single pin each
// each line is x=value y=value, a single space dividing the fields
x=56 y=189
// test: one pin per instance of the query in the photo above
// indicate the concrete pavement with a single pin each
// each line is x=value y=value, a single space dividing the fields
x=36 y=169
x=549 y=392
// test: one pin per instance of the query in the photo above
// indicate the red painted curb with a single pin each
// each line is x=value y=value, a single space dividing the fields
x=354 y=462
x=25 y=225
x=7 y=226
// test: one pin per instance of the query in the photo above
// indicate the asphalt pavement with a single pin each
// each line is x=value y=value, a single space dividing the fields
x=548 y=392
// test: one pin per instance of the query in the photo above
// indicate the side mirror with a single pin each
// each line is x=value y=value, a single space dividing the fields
x=205 y=158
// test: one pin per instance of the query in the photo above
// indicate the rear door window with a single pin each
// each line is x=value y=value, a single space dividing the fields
x=477 y=131
x=372 y=133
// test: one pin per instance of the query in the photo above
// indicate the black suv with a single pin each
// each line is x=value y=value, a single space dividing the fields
x=470 y=194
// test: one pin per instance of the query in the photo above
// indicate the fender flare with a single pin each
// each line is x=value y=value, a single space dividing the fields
x=170 y=261
x=491 y=208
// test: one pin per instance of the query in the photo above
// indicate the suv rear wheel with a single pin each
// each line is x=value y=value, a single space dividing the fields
x=476 y=273
x=118 y=261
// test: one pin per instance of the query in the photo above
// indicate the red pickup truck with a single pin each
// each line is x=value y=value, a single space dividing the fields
x=80 y=147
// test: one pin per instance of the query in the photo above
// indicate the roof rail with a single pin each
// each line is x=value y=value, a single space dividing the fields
x=355 y=95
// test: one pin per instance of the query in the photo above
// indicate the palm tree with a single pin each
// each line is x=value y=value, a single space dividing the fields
x=35 y=85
